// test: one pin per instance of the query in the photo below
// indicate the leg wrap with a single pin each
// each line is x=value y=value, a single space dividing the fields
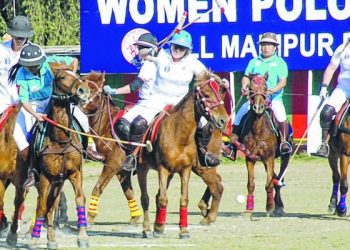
x=335 y=190
x=1 y=215
x=161 y=216
x=81 y=217
x=134 y=208
x=37 y=227
x=183 y=217
x=93 y=205
x=270 y=198
x=20 y=212
x=342 y=203
x=250 y=202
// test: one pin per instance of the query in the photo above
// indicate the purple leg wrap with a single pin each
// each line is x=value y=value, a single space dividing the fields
x=37 y=227
x=250 y=202
x=342 y=203
x=335 y=190
x=81 y=217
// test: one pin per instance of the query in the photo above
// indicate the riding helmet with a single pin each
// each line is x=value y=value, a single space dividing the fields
x=20 y=27
x=31 y=55
x=183 y=38
x=269 y=37
x=147 y=40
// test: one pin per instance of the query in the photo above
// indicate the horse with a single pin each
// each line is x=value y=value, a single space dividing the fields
x=339 y=145
x=59 y=158
x=101 y=112
x=175 y=150
x=261 y=138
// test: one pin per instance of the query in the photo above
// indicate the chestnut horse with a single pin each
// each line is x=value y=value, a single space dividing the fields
x=60 y=158
x=175 y=150
x=262 y=140
x=339 y=145
x=101 y=111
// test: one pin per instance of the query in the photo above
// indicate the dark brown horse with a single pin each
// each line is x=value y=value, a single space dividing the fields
x=339 y=145
x=262 y=140
x=59 y=159
x=101 y=112
x=175 y=149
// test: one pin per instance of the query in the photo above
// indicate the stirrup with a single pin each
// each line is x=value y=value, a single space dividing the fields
x=129 y=163
x=289 y=150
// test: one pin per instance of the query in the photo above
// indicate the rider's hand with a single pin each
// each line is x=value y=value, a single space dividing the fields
x=153 y=52
x=40 y=117
x=108 y=90
x=244 y=91
x=323 y=91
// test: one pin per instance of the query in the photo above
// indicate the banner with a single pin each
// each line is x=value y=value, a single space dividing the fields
x=308 y=30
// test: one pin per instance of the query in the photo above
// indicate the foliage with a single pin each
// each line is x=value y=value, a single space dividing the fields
x=3 y=26
x=55 y=22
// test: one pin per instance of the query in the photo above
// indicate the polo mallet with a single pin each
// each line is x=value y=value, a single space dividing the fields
x=176 y=30
x=218 y=3
x=279 y=181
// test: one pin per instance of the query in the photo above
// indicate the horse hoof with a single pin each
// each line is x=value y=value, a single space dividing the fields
x=90 y=220
x=205 y=222
x=4 y=231
x=341 y=213
x=279 y=212
x=11 y=239
x=332 y=207
x=83 y=243
x=147 y=234
x=134 y=220
x=52 y=245
x=157 y=234
x=184 y=236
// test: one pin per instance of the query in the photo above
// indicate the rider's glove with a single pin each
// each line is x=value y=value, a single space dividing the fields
x=153 y=52
x=323 y=91
x=108 y=90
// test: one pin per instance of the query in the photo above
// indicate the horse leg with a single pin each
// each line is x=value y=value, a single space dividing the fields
x=279 y=206
x=142 y=172
x=125 y=182
x=269 y=186
x=214 y=189
x=76 y=181
x=4 y=226
x=250 y=186
x=162 y=202
x=185 y=177
x=333 y=163
x=203 y=204
x=341 y=207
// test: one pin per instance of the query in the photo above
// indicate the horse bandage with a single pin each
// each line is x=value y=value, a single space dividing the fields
x=183 y=217
x=93 y=205
x=134 y=208
x=161 y=216
x=37 y=227
x=81 y=217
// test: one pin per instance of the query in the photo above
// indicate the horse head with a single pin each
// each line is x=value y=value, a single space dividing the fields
x=68 y=85
x=257 y=92
x=95 y=81
x=209 y=99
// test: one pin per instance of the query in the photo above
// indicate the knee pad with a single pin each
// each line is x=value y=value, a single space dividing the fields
x=138 y=126
x=327 y=116
x=122 y=129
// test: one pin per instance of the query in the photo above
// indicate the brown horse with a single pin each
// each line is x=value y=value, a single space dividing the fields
x=262 y=140
x=340 y=149
x=101 y=112
x=175 y=149
x=59 y=159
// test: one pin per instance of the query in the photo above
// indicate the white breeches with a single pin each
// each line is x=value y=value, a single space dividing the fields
x=82 y=118
x=276 y=105
x=25 y=122
x=339 y=95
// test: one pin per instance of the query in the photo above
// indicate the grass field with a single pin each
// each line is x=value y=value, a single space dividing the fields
x=306 y=224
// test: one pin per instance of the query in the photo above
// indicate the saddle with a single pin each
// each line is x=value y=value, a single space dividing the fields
x=339 y=120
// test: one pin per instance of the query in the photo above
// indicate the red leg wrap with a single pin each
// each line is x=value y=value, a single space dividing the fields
x=1 y=215
x=161 y=215
x=250 y=202
x=20 y=212
x=270 y=198
x=183 y=217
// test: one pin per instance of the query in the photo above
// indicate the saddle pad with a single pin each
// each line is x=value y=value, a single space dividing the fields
x=339 y=119
x=5 y=116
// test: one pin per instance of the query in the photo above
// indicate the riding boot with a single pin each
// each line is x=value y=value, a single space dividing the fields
x=137 y=129
x=230 y=151
x=94 y=155
x=285 y=147
x=31 y=178
x=203 y=136
x=323 y=149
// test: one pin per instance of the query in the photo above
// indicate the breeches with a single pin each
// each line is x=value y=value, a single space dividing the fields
x=82 y=118
x=338 y=97
x=276 y=106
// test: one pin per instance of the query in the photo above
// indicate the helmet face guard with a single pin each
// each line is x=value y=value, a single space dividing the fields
x=20 y=27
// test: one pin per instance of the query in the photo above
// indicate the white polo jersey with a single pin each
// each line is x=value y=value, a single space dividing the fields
x=342 y=58
x=8 y=93
x=148 y=75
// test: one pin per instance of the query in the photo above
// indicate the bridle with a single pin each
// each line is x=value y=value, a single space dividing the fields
x=206 y=105
x=259 y=90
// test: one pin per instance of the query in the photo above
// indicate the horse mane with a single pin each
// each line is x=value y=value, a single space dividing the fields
x=55 y=66
x=94 y=76
x=204 y=76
